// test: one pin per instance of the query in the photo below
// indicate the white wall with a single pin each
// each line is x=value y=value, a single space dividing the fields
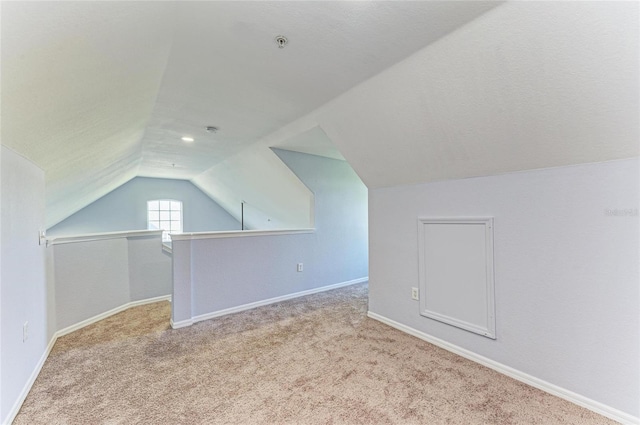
x=125 y=208
x=95 y=276
x=275 y=198
x=23 y=283
x=566 y=271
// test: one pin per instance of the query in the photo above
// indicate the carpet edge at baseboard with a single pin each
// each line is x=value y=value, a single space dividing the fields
x=256 y=304
x=593 y=405
x=116 y=310
x=175 y=325
x=32 y=379
x=62 y=332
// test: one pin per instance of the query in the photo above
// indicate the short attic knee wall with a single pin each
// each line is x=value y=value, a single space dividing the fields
x=97 y=273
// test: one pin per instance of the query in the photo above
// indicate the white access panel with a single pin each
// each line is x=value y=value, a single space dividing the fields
x=456 y=272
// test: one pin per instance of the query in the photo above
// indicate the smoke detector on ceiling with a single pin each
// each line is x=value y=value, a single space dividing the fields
x=211 y=129
x=281 y=41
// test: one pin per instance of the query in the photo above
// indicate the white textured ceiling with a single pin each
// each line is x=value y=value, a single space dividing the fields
x=313 y=142
x=79 y=83
x=226 y=70
x=96 y=93
x=527 y=85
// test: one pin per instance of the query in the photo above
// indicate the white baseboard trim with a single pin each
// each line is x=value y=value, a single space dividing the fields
x=111 y=312
x=261 y=303
x=180 y=324
x=27 y=387
x=36 y=371
x=595 y=406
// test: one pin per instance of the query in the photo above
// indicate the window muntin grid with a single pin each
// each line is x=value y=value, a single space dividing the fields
x=165 y=214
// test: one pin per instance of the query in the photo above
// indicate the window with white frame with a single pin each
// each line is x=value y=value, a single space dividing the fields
x=165 y=214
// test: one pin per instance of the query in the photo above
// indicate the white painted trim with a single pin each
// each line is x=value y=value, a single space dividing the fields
x=261 y=303
x=166 y=248
x=27 y=387
x=25 y=391
x=180 y=324
x=111 y=312
x=427 y=281
x=102 y=236
x=595 y=406
x=237 y=234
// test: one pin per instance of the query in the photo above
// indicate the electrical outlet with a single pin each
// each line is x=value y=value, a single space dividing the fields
x=300 y=267
x=415 y=294
x=25 y=332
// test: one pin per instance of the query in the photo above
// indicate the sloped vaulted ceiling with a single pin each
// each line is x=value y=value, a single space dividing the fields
x=529 y=85
x=524 y=86
x=96 y=93
x=79 y=83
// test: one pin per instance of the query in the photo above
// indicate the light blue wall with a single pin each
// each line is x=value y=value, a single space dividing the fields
x=125 y=208
x=215 y=275
x=95 y=276
x=341 y=216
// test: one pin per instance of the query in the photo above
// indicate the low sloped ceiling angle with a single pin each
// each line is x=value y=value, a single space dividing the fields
x=96 y=93
x=79 y=82
x=527 y=85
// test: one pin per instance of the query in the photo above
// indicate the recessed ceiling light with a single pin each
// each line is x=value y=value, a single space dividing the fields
x=187 y=139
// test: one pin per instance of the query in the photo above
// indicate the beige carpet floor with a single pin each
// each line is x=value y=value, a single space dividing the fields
x=312 y=360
